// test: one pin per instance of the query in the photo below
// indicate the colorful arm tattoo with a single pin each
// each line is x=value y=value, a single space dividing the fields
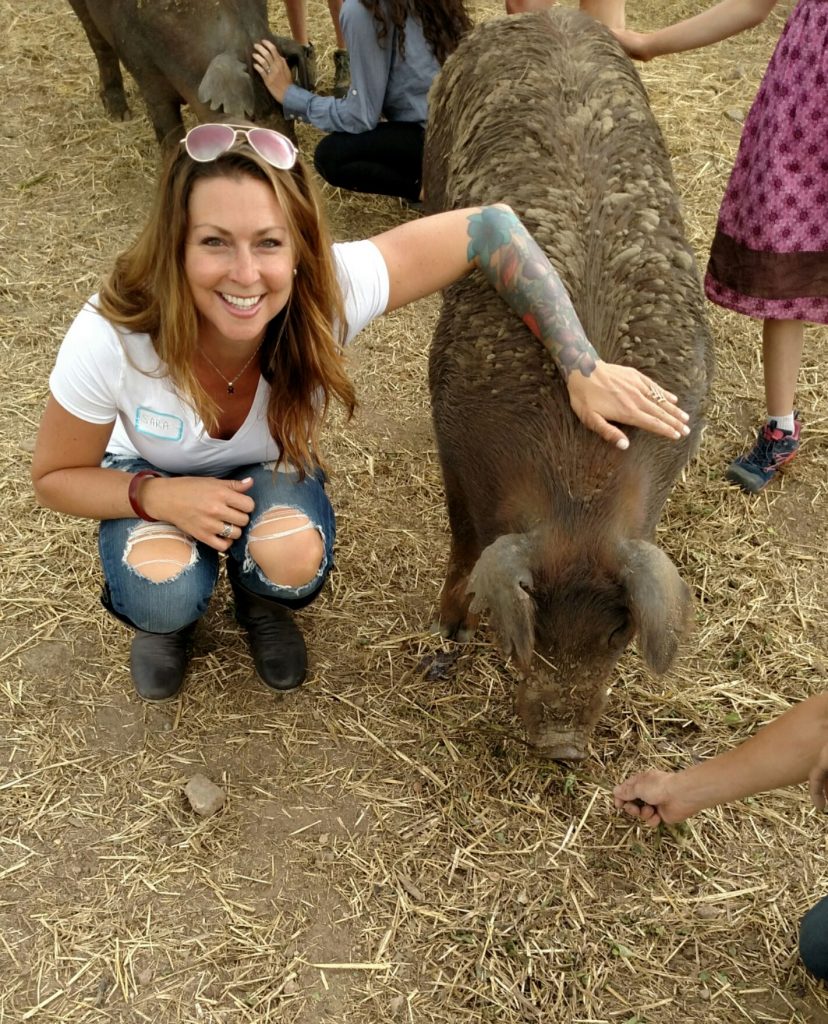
x=516 y=267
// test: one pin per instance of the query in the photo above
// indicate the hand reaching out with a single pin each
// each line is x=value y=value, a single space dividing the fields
x=652 y=797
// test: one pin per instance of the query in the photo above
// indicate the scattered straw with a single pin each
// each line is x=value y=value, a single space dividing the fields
x=389 y=849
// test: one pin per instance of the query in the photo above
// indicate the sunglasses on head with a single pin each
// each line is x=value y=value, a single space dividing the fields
x=206 y=142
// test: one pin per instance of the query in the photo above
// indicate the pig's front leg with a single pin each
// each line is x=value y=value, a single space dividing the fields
x=455 y=621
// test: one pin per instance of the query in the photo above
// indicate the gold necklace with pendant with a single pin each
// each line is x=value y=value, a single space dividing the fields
x=231 y=384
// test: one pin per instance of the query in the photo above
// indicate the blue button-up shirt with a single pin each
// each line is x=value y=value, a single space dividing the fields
x=382 y=84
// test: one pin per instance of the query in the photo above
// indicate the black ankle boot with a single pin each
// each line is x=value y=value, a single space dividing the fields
x=158 y=662
x=276 y=642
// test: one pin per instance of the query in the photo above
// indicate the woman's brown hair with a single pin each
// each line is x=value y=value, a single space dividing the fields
x=444 y=22
x=301 y=357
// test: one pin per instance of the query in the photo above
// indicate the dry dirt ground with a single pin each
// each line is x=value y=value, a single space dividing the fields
x=389 y=849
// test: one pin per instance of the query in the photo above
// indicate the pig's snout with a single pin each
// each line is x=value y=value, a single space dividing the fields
x=560 y=745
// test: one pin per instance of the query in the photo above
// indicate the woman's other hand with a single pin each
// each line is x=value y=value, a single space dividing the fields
x=201 y=506
x=272 y=68
x=620 y=394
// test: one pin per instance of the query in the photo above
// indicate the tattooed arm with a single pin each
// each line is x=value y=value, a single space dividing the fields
x=428 y=254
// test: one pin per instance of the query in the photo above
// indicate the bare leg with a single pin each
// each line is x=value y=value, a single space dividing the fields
x=297 y=16
x=782 y=342
x=781 y=354
x=334 y=6
x=609 y=12
x=522 y=6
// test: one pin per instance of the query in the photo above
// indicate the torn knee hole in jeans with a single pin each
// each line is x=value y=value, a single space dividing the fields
x=169 y=551
x=275 y=524
x=281 y=514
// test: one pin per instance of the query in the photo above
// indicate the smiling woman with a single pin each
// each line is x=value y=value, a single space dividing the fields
x=239 y=264
x=188 y=395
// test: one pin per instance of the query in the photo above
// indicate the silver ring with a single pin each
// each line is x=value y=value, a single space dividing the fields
x=657 y=395
x=267 y=69
x=226 y=531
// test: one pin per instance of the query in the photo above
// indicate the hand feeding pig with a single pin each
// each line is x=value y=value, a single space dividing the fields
x=185 y=51
x=552 y=530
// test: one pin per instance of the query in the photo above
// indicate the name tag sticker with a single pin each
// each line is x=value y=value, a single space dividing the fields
x=162 y=425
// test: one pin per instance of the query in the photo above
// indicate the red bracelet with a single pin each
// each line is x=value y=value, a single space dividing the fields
x=134 y=484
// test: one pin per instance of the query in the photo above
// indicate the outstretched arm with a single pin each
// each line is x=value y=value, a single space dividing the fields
x=791 y=749
x=711 y=26
x=428 y=254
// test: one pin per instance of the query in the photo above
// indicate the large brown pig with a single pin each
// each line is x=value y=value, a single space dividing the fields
x=185 y=51
x=552 y=529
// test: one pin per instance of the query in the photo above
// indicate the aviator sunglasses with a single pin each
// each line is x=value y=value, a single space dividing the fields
x=205 y=142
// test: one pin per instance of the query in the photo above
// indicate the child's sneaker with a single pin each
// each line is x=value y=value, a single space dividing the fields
x=773 y=449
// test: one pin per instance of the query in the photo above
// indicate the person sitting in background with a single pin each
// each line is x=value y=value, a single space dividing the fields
x=377 y=131
x=790 y=749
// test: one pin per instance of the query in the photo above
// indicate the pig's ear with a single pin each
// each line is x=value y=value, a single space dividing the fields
x=658 y=600
x=227 y=86
x=500 y=582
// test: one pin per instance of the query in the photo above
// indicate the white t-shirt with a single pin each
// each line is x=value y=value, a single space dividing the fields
x=103 y=373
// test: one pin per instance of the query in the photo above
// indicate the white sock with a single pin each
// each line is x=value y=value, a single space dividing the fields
x=783 y=422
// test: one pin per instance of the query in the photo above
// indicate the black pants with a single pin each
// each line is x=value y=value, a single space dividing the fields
x=813 y=940
x=388 y=160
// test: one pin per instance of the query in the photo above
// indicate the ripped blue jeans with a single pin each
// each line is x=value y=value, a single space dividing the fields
x=173 y=604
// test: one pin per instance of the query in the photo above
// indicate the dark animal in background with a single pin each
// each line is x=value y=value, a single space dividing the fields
x=552 y=529
x=185 y=51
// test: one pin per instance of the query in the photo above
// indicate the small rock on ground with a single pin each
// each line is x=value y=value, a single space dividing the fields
x=205 y=797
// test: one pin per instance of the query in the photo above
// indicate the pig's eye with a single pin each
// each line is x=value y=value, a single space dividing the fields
x=620 y=636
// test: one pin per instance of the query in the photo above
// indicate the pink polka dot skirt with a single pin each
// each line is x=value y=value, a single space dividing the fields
x=770 y=253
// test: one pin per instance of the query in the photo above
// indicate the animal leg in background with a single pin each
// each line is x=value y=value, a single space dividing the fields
x=164 y=109
x=455 y=621
x=111 y=82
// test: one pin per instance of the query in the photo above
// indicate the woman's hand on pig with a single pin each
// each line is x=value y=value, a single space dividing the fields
x=273 y=69
x=612 y=394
